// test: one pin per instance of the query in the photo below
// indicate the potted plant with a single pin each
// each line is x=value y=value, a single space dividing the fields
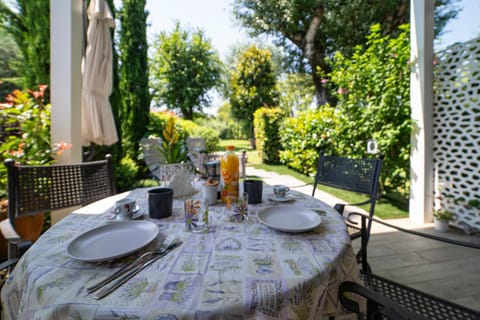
x=177 y=171
x=441 y=218
x=172 y=147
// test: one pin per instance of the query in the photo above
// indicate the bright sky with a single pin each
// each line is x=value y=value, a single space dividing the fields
x=215 y=18
x=465 y=27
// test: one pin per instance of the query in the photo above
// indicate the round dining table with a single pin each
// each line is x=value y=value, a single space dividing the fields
x=235 y=270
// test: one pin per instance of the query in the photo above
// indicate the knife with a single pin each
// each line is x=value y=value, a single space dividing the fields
x=166 y=244
x=109 y=289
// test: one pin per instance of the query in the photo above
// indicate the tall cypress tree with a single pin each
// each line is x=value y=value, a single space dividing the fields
x=133 y=75
x=29 y=24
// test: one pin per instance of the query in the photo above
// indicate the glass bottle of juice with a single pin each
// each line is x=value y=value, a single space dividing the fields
x=229 y=167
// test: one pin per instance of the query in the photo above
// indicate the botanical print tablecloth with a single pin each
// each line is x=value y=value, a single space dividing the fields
x=236 y=270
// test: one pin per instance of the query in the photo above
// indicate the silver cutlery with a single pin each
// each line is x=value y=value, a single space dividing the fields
x=127 y=276
x=167 y=242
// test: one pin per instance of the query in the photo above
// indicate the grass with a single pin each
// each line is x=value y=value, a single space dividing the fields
x=239 y=145
x=390 y=206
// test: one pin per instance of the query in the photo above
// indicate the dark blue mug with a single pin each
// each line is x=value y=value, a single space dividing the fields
x=254 y=189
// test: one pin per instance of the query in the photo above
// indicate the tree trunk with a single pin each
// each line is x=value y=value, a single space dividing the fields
x=317 y=62
x=316 y=58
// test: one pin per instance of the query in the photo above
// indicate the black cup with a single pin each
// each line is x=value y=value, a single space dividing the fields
x=160 y=201
x=254 y=189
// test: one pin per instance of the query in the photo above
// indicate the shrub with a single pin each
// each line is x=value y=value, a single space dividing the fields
x=126 y=172
x=267 y=123
x=25 y=131
x=6 y=87
x=210 y=136
x=443 y=215
x=374 y=103
x=304 y=136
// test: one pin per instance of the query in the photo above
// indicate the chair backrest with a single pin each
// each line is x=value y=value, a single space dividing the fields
x=197 y=153
x=196 y=144
x=152 y=156
x=39 y=189
x=357 y=175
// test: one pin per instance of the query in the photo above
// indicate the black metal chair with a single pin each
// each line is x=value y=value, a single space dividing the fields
x=386 y=299
x=357 y=175
x=40 y=189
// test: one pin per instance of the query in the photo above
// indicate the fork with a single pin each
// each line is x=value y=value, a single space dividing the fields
x=127 y=276
x=167 y=242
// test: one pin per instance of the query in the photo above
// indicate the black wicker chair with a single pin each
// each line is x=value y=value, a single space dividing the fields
x=357 y=175
x=40 y=189
x=387 y=299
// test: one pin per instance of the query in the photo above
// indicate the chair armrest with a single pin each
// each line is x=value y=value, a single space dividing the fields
x=376 y=303
x=8 y=231
x=8 y=263
x=340 y=207
x=417 y=233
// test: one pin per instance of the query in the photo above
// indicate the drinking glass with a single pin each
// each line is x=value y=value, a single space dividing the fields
x=196 y=215
x=237 y=207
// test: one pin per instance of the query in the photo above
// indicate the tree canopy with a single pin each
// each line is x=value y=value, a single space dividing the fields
x=9 y=55
x=312 y=30
x=184 y=68
x=252 y=84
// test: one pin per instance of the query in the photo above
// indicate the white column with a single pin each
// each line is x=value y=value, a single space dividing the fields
x=66 y=80
x=65 y=75
x=421 y=102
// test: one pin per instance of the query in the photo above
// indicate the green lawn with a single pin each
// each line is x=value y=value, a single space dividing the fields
x=387 y=207
x=239 y=144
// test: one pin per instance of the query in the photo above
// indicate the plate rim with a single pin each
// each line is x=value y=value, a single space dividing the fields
x=303 y=229
x=114 y=225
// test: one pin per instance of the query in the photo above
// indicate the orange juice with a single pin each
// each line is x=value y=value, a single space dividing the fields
x=230 y=173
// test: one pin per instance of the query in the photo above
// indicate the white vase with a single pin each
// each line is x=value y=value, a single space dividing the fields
x=179 y=177
x=440 y=225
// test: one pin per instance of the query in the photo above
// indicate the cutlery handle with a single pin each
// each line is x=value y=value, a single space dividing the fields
x=127 y=276
x=117 y=273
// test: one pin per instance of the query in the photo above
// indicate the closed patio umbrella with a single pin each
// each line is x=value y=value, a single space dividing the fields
x=98 y=125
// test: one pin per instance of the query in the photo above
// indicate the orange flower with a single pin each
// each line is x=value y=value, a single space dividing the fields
x=59 y=147
x=19 y=152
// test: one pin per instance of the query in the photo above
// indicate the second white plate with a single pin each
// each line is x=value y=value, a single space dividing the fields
x=112 y=241
x=289 y=218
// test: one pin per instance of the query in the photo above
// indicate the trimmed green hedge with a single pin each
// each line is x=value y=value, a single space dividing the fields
x=267 y=122
x=304 y=136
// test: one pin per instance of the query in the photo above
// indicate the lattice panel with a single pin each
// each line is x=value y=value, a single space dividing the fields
x=457 y=132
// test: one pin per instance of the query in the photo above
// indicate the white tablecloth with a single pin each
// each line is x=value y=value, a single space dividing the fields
x=237 y=270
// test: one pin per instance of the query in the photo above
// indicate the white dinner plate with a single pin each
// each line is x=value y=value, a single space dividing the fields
x=289 y=218
x=112 y=241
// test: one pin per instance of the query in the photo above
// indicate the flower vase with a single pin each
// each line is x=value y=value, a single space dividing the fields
x=440 y=225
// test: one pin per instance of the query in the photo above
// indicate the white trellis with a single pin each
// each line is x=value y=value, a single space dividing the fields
x=457 y=132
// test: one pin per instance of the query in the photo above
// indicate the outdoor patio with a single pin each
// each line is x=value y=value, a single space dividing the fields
x=444 y=270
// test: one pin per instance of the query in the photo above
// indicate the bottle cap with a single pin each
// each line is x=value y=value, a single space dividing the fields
x=230 y=147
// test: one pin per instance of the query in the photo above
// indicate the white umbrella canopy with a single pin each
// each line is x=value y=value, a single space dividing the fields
x=98 y=125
